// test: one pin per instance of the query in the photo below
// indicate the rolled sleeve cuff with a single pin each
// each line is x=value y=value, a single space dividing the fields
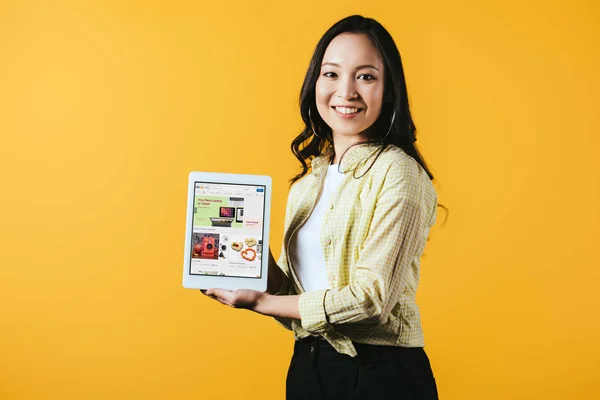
x=312 y=312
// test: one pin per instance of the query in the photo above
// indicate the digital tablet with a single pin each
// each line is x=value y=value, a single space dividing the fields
x=227 y=231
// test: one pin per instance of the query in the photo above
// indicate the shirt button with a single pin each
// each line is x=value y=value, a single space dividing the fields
x=328 y=241
x=331 y=206
x=312 y=349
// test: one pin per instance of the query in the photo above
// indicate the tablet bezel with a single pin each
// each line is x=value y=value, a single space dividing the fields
x=232 y=283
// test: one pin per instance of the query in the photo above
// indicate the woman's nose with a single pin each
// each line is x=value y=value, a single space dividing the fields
x=346 y=89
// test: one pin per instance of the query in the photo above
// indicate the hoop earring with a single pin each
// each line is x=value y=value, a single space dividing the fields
x=391 y=125
x=314 y=131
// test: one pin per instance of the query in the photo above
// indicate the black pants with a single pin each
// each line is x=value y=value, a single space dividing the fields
x=318 y=372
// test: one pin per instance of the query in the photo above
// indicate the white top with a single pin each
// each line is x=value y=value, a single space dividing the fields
x=306 y=253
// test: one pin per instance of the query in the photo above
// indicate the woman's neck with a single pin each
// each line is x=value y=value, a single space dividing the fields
x=341 y=144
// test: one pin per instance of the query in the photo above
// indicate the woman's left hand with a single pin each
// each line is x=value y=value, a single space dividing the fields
x=240 y=298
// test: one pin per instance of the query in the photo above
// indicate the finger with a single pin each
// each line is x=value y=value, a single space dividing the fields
x=212 y=297
x=209 y=293
x=221 y=300
x=226 y=297
x=224 y=294
x=225 y=302
x=216 y=291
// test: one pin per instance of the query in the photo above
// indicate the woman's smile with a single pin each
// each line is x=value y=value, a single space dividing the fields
x=347 y=112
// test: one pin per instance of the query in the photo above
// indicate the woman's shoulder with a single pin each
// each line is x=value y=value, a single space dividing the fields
x=394 y=160
x=405 y=175
x=399 y=171
x=393 y=153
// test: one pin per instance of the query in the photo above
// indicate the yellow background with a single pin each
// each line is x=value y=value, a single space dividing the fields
x=105 y=107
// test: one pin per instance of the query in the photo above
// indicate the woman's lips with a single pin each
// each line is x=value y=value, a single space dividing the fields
x=347 y=115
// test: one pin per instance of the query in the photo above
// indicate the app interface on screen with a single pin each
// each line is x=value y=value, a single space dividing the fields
x=227 y=230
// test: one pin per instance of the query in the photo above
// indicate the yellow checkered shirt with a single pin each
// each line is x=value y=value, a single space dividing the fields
x=372 y=235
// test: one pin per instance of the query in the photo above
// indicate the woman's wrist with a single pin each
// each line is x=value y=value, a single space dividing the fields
x=260 y=306
x=278 y=306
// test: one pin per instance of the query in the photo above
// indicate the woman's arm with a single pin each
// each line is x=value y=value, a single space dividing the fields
x=262 y=303
x=279 y=306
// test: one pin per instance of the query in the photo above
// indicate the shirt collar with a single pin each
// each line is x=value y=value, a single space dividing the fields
x=354 y=156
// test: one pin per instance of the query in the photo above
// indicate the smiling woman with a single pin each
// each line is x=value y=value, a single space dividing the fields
x=356 y=226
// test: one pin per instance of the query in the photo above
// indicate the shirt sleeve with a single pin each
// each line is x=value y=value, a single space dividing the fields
x=398 y=228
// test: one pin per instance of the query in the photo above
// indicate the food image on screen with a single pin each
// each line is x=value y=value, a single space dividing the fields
x=248 y=254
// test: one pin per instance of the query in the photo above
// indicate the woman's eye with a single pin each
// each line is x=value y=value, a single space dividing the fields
x=366 y=77
x=329 y=74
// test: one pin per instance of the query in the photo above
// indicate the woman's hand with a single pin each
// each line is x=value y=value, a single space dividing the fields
x=262 y=303
x=240 y=298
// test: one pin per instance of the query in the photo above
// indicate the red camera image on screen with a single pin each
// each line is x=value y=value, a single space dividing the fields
x=227 y=212
x=209 y=249
x=206 y=245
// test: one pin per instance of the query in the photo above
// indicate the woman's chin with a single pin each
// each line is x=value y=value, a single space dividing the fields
x=348 y=134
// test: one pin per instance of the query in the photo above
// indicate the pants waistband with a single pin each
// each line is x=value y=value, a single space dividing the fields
x=367 y=353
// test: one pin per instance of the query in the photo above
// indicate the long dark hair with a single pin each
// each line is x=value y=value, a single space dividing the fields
x=401 y=128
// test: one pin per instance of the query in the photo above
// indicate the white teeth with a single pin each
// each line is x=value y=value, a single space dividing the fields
x=346 y=110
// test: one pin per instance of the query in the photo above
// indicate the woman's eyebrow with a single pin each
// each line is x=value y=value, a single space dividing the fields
x=357 y=68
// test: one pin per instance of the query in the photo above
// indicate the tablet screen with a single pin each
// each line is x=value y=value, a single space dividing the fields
x=227 y=229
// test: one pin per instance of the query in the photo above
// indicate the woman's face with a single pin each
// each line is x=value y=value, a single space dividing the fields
x=349 y=91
